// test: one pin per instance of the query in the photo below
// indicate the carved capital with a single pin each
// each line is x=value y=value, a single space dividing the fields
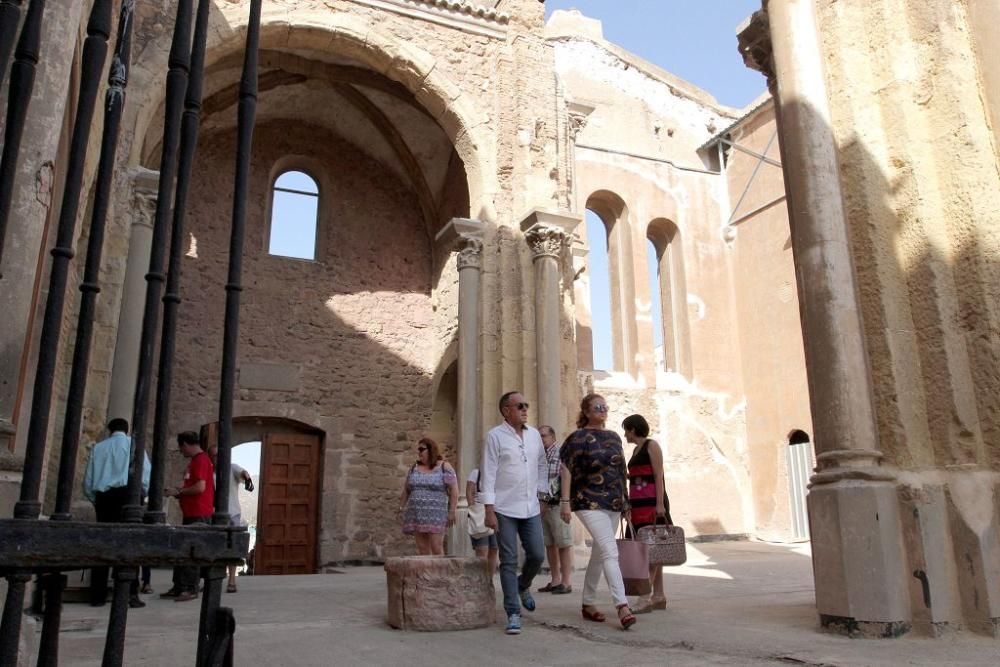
x=470 y=252
x=145 y=184
x=578 y=114
x=547 y=241
x=754 y=38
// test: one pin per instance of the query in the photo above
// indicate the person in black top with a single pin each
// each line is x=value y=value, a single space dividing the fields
x=647 y=496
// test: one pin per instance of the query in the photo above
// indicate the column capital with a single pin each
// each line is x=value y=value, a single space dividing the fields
x=145 y=189
x=548 y=232
x=754 y=36
x=466 y=237
x=578 y=115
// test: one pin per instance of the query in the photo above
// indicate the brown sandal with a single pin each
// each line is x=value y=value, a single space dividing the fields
x=592 y=614
x=628 y=618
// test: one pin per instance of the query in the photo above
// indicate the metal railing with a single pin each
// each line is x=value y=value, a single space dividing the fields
x=29 y=544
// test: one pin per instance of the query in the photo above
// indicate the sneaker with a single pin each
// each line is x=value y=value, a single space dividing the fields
x=527 y=601
x=513 y=624
x=184 y=597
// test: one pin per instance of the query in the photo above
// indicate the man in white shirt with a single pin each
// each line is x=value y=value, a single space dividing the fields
x=513 y=454
x=239 y=476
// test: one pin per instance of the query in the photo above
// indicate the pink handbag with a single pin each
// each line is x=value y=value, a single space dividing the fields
x=633 y=559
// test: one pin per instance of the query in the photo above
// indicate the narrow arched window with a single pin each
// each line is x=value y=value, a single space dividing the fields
x=294 y=216
x=600 y=293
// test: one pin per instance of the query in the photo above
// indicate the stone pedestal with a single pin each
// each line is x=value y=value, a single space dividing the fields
x=432 y=594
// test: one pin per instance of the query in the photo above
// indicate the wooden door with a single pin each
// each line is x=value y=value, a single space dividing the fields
x=289 y=503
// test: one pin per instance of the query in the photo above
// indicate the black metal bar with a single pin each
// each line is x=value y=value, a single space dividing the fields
x=95 y=48
x=22 y=77
x=177 y=80
x=211 y=598
x=54 y=545
x=48 y=646
x=22 y=80
x=231 y=331
x=171 y=300
x=10 y=16
x=220 y=652
x=10 y=625
x=114 y=641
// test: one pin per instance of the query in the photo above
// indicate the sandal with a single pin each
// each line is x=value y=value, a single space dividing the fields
x=627 y=619
x=231 y=588
x=646 y=605
x=591 y=614
x=547 y=587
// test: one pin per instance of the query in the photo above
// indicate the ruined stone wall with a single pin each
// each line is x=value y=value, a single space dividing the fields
x=357 y=324
x=767 y=307
x=637 y=150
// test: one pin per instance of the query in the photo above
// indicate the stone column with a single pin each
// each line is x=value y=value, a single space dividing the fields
x=853 y=510
x=466 y=236
x=126 y=363
x=548 y=235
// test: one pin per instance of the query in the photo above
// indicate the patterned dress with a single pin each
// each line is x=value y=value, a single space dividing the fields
x=427 y=506
x=642 y=488
x=596 y=463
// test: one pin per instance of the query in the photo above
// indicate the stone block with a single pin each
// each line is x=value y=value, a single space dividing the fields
x=433 y=593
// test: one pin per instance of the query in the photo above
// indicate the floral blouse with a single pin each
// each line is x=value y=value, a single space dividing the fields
x=596 y=464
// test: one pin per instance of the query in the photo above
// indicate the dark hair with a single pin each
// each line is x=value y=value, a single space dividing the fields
x=582 y=420
x=433 y=449
x=548 y=429
x=637 y=424
x=118 y=424
x=189 y=438
x=504 y=398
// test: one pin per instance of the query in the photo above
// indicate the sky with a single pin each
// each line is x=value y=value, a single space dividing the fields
x=694 y=39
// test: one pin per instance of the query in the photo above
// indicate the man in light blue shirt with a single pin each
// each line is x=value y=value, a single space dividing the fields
x=105 y=484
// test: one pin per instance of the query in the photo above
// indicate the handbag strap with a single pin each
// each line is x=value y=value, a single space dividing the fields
x=626 y=520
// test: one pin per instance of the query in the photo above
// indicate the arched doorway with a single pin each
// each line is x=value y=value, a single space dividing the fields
x=288 y=506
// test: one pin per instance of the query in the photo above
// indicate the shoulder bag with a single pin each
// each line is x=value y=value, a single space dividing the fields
x=633 y=559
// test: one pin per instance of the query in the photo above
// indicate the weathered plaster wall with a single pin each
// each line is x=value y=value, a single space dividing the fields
x=638 y=148
x=767 y=307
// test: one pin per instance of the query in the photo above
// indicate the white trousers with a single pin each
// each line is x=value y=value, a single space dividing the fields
x=602 y=524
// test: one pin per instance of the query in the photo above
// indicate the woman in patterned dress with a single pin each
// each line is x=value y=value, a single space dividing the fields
x=593 y=485
x=647 y=497
x=430 y=496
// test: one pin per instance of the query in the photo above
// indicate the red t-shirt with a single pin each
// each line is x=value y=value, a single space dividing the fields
x=203 y=503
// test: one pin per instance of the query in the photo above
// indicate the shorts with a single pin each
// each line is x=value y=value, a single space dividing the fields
x=555 y=531
x=484 y=541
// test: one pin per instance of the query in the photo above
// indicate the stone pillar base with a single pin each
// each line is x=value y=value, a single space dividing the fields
x=859 y=563
x=432 y=593
x=458 y=535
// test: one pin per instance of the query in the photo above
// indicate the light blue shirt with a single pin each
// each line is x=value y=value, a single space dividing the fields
x=108 y=466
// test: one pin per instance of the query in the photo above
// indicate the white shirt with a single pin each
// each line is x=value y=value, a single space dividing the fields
x=510 y=480
x=235 y=482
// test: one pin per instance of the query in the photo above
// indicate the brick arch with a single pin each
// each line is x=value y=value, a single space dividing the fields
x=346 y=36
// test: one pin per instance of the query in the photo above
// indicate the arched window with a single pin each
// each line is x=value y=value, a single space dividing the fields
x=294 y=216
x=668 y=290
x=600 y=293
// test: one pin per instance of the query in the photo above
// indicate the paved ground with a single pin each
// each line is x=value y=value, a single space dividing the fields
x=740 y=603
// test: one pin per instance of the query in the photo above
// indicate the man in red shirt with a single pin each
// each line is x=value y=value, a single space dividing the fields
x=197 y=498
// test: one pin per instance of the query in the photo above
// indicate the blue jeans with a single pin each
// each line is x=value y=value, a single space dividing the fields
x=530 y=532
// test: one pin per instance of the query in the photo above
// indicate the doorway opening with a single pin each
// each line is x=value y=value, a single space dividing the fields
x=285 y=509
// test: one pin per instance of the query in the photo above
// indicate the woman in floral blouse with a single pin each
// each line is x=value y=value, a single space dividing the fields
x=594 y=485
